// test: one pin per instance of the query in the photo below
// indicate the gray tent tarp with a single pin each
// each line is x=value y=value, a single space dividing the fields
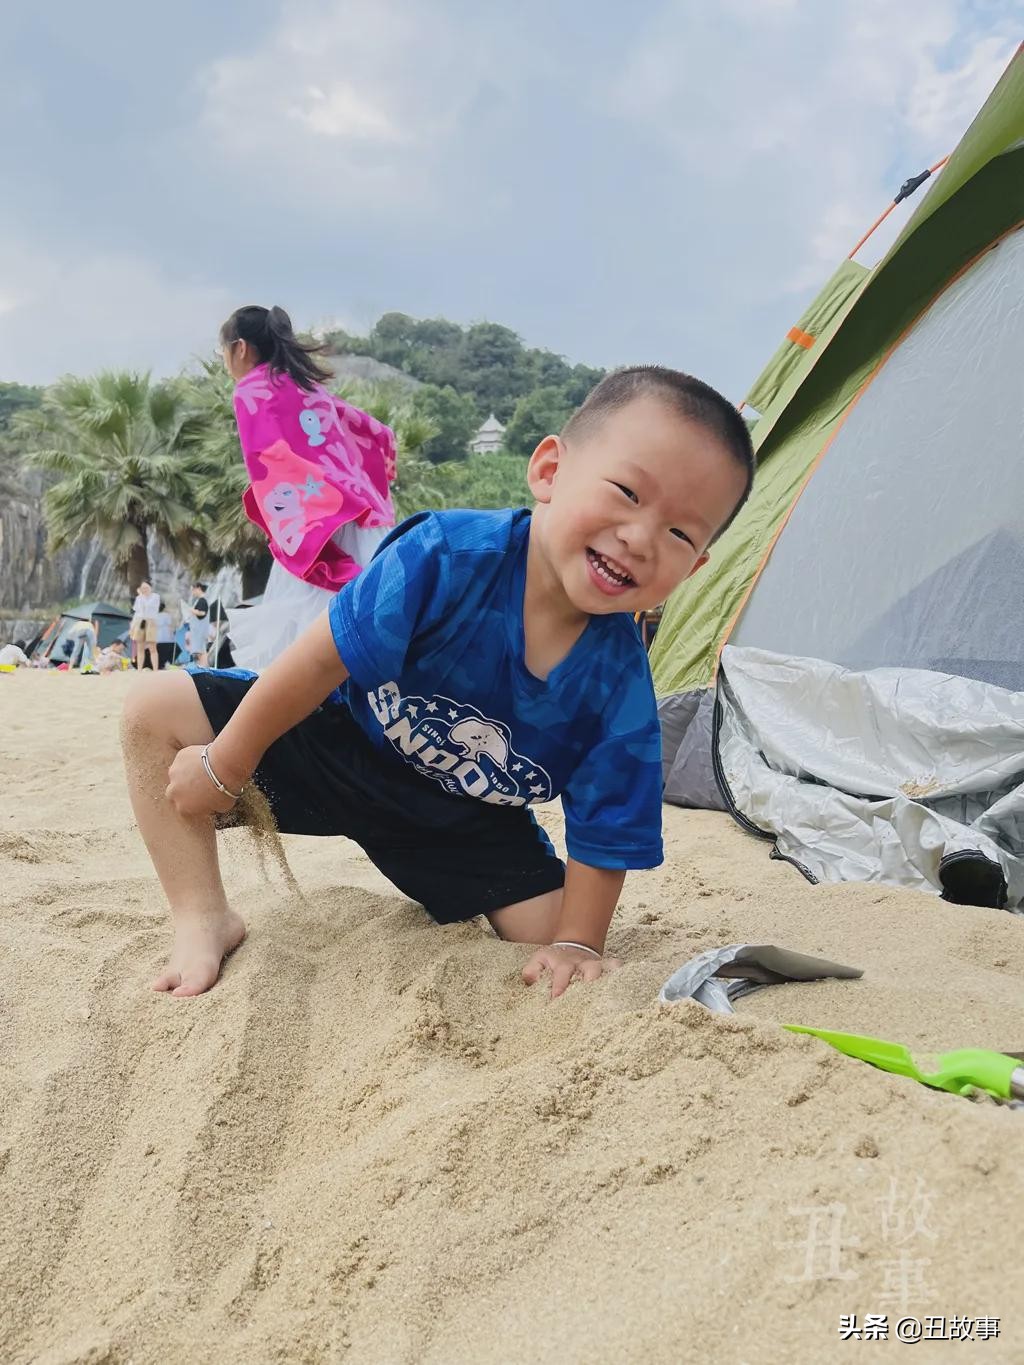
x=893 y=775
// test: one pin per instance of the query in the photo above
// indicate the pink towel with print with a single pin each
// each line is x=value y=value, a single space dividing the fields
x=315 y=463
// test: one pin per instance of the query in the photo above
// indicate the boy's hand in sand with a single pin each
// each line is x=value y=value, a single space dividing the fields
x=565 y=966
x=189 y=789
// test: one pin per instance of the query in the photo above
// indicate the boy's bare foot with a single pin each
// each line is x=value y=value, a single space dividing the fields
x=201 y=943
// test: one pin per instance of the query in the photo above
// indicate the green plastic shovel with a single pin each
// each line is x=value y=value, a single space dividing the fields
x=959 y=1072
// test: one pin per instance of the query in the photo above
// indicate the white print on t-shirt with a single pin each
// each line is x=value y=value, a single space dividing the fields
x=453 y=743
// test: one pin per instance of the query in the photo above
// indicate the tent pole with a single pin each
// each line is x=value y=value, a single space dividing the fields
x=216 y=648
x=906 y=190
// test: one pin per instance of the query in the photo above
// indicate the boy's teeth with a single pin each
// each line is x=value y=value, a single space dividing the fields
x=606 y=571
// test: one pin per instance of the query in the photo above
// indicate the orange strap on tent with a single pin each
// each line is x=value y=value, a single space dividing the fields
x=799 y=338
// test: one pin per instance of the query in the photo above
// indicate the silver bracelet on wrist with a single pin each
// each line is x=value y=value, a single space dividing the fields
x=208 y=770
x=583 y=947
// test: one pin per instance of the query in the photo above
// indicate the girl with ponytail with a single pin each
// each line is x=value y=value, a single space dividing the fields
x=319 y=471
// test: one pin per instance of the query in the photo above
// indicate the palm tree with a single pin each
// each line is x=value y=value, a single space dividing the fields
x=114 y=442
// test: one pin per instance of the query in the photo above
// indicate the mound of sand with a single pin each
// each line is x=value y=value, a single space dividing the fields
x=371 y=1142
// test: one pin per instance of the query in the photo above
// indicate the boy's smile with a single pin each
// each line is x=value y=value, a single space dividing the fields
x=608 y=574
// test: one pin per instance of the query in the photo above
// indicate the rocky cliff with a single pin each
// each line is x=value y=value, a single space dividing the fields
x=30 y=577
x=33 y=582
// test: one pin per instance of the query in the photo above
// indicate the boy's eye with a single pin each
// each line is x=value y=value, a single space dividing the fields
x=628 y=492
x=681 y=535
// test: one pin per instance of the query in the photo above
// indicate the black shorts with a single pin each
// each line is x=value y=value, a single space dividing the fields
x=457 y=857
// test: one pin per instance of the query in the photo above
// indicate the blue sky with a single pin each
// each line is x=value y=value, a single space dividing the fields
x=664 y=181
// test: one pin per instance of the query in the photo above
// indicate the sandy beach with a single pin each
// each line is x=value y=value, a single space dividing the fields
x=372 y=1143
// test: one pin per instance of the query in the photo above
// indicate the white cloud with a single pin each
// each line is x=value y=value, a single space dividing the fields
x=795 y=125
x=340 y=112
x=943 y=103
x=98 y=312
x=383 y=85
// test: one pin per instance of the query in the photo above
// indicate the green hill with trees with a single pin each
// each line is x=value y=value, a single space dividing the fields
x=467 y=373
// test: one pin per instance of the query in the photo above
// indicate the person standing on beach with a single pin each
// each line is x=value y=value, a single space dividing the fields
x=484 y=662
x=164 y=636
x=145 y=610
x=198 y=640
x=320 y=472
x=85 y=636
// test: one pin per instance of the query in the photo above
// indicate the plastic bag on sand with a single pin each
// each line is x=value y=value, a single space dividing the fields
x=721 y=975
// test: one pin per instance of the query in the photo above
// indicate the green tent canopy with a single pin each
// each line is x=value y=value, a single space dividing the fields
x=806 y=392
x=847 y=676
x=793 y=356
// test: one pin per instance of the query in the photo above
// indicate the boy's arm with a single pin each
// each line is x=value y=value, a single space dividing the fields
x=588 y=903
x=612 y=805
x=291 y=689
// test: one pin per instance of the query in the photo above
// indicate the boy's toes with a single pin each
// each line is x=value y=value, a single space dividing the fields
x=196 y=980
x=167 y=981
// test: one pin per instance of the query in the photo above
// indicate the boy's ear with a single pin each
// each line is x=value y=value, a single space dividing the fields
x=543 y=466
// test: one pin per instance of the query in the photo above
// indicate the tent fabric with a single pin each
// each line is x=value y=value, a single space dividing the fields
x=87 y=611
x=53 y=642
x=899 y=776
x=687 y=723
x=977 y=198
x=907 y=546
x=793 y=353
x=868 y=716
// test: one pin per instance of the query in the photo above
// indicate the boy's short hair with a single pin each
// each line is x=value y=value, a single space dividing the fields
x=691 y=398
x=200 y=586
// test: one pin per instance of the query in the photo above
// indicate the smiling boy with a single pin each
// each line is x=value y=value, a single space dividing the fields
x=487 y=661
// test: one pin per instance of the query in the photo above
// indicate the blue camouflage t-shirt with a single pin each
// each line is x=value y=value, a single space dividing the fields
x=432 y=635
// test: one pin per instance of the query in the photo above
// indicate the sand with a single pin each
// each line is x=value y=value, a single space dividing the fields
x=371 y=1143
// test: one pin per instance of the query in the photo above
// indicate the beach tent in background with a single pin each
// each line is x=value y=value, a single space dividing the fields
x=867 y=713
x=52 y=643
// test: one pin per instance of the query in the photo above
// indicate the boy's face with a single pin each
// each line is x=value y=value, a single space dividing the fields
x=626 y=511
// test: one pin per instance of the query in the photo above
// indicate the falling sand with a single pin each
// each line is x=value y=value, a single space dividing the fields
x=254 y=813
x=372 y=1143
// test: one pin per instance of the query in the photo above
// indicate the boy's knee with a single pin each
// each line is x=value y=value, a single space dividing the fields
x=153 y=704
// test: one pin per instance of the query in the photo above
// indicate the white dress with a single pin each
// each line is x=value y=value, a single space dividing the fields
x=290 y=605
